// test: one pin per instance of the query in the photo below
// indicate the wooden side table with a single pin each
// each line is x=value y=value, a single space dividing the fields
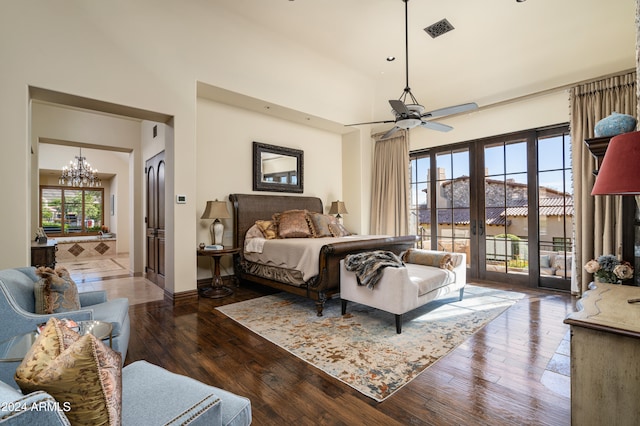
x=217 y=289
x=44 y=254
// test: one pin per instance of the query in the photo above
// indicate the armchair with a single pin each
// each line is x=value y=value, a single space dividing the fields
x=17 y=313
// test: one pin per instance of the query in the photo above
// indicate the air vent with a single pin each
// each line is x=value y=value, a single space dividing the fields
x=439 y=28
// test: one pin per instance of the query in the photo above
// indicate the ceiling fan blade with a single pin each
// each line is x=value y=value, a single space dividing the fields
x=399 y=107
x=436 y=126
x=390 y=132
x=372 y=122
x=456 y=109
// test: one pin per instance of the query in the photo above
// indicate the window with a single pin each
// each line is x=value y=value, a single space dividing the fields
x=71 y=211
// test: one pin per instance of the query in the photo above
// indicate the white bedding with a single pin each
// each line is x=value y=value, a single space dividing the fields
x=301 y=254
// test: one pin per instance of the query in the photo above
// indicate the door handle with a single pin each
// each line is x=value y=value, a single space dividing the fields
x=481 y=229
x=473 y=227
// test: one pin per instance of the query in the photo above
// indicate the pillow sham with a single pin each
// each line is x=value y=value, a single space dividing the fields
x=338 y=230
x=55 y=291
x=82 y=373
x=268 y=228
x=293 y=224
x=319 y=224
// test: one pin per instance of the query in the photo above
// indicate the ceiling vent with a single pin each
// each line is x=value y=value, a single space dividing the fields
x=439 y=28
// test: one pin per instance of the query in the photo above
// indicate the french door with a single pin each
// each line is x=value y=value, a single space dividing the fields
x=505 y=202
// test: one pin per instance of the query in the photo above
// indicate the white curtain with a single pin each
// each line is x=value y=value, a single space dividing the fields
x=390 y=198
x=597 y=226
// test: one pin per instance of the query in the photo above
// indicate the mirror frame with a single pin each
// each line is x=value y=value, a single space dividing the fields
x=260 y=185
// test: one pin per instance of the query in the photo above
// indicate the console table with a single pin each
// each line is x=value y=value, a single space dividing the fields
x=44 y=254
x=605 y=349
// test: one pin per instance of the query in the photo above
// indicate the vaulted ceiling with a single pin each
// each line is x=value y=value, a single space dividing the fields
x=498 y=50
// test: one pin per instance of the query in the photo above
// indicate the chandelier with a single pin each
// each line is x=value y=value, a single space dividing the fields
x=79 y=173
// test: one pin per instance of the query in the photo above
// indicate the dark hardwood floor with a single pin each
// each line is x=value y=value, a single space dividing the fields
x=492 y=379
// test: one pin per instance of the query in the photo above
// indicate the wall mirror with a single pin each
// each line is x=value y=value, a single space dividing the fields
x=276 y=168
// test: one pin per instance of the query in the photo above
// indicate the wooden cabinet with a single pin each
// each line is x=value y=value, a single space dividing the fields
x=605 y=349
x=630 y=212
x=44 y=254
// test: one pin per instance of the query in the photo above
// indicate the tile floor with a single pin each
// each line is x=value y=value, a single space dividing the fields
x=113 y=276
x=557 y=374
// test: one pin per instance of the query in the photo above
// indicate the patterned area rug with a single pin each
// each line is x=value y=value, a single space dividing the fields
x=362 y=348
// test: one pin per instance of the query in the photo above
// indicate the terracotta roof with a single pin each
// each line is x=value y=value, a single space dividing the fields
x=549 y=206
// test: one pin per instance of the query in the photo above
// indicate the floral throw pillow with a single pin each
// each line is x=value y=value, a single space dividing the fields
x=55 y=291
x=82 y=373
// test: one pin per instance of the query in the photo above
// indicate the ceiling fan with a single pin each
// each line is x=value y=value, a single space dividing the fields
x=412 y=114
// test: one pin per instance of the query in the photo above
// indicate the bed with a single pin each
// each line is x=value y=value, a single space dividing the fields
x=325 y=282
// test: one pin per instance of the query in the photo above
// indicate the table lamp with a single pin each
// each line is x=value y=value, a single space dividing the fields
x=216 y=210
x=338 y=208
x=619 y=173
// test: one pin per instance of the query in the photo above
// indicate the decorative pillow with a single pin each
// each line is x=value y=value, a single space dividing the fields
x=81 y=373
x=338 y=230
x=268 y=228
x=293 y=224
x=319 y=224
x=545 y=261
x=253 y=232
x=441 y=260
x=55 y=292
x=559 y=262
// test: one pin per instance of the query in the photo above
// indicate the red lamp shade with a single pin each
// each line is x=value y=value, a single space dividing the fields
x=619 y=173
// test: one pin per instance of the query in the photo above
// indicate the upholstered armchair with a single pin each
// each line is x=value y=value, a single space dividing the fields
x=17 y=313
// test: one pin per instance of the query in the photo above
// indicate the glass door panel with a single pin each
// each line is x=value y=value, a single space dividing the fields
x=555 y=212
x=505 y=225
x=420 y=217
x=453 y=201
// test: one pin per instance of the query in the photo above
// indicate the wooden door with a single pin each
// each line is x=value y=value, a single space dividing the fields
x=155 y=219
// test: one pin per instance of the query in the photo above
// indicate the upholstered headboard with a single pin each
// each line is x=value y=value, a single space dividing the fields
x=247 y=208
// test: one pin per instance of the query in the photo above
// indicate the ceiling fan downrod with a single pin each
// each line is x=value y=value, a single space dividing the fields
x=407 y=89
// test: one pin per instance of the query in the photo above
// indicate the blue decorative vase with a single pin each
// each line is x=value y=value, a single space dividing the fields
x=615 y=124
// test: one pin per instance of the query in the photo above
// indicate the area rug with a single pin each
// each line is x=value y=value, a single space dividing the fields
x=362 y=348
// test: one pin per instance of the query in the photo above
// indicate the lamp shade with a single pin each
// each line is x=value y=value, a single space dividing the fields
x=216 y=210
x=338 y=207
x=619 y=173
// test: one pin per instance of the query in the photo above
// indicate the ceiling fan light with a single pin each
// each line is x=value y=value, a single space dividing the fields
x=408 y=123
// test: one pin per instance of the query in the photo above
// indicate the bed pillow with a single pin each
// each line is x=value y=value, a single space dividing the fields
x=55 y=291
x=268 y=228
x=293 y=224
x=436 y=259
x=82 y=373
x=338 y=230
x=319 y=224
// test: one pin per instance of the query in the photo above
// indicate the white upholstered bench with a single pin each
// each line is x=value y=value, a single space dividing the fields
x=426 y=276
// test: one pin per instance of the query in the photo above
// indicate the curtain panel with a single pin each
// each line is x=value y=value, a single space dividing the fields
x=390 y=197
x=597 y=220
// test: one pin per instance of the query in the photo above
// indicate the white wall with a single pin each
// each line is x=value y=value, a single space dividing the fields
x=224 y=163
x=534 y=112
x=151 y=59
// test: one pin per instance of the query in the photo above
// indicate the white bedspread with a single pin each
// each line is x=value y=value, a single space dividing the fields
x=301 y=254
